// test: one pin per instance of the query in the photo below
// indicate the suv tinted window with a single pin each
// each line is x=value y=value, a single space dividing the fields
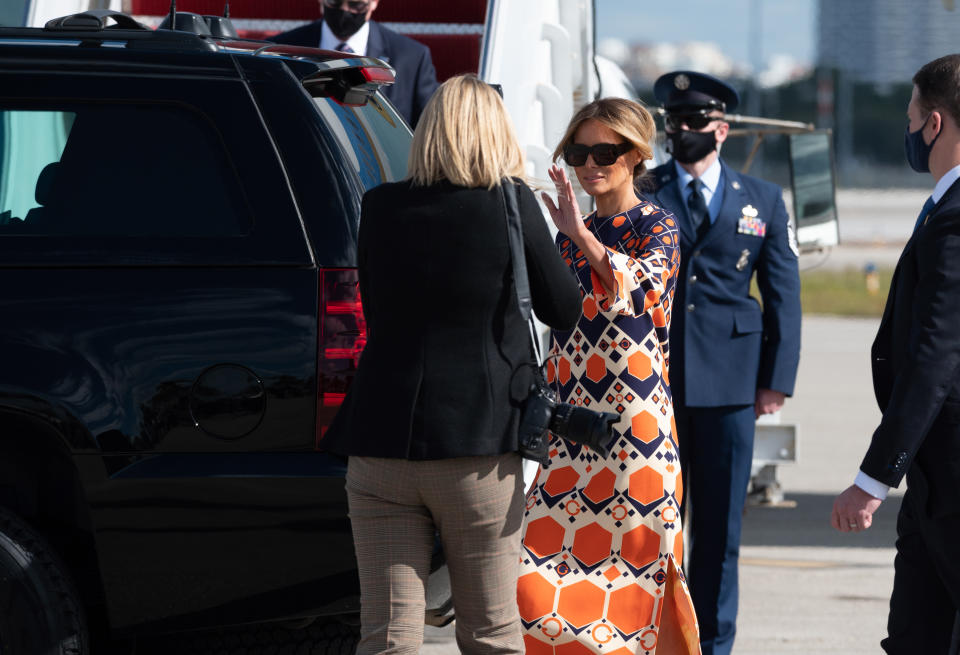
x=125 y=169
x=13 y=12
x=374 y=138
x=29 y=141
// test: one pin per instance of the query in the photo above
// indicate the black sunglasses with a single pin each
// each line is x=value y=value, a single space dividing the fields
x=355 y=6
x=696 y=120
x=603 y=154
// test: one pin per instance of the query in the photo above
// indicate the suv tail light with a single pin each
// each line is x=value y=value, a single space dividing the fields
x=378 y=74
x=350 y=82
x=342 y=334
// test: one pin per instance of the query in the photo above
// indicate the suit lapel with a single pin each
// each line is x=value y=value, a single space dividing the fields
x=889 y=308
x=377 y=45
x=670 y=198
x=314 y=34
x=731 y=209
x=881 y=342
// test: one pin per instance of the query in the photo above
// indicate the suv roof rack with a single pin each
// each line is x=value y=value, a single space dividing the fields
x=94 y=20
x=345 y=77
x=93 y=27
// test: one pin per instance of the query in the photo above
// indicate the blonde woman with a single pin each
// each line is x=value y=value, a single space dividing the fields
x=602 y=540
x=430 y=422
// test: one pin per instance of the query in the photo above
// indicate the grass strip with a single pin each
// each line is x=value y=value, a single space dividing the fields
x=841 y=293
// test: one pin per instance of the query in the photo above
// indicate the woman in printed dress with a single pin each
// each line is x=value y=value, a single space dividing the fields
x=603 y=543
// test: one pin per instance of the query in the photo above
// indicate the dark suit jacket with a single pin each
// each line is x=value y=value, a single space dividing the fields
x=916 y=366
x=416 y=77
x=445 y=367
x=722 y=346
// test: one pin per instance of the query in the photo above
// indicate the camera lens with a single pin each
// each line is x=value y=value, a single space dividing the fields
x=584 y=426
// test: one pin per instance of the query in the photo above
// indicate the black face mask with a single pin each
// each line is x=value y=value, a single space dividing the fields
x=343 y=24
x=918 y=152
x=688 y=147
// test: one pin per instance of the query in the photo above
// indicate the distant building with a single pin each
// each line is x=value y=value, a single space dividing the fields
x=645 y=62
x=885 y=41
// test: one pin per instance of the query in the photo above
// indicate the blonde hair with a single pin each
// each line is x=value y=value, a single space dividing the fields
x=465 y=137
x=629 y=119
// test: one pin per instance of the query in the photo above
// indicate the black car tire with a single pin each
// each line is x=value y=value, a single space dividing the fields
x=40 y=609
x=323 y=637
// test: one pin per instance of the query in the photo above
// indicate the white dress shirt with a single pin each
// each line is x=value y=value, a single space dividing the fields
x=357 y=42
x=945 y=183
x=871 y=485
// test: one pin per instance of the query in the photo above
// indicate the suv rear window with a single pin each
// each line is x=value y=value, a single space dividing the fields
x=374 y=138
x=124 y=169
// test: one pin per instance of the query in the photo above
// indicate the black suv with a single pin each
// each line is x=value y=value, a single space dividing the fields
x=179 y=320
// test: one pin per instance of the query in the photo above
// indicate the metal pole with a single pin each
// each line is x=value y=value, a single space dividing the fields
x=844 y=126
x=756 y=53
x=772 y=122
x=757 y=120
x=753 y=153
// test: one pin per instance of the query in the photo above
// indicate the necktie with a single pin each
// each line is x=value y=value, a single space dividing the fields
x=698 y=209
x=927 y=206
x=345 y=47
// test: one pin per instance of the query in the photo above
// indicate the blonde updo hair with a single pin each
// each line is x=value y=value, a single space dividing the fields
x=629 y=119
x=465 y=137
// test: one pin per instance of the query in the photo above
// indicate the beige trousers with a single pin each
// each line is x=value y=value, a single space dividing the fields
x=396 y=507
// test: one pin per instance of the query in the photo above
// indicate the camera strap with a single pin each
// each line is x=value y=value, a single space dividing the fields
x=511 y=205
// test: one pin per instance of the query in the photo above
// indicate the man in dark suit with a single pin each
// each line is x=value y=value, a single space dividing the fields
x=916 y=378
x=346 y=26
x=730 y=360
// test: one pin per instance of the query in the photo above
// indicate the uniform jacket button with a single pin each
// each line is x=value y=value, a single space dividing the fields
x=693 y=278
x=691 y=307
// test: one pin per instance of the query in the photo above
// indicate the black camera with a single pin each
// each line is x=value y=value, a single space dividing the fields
x=542 y=414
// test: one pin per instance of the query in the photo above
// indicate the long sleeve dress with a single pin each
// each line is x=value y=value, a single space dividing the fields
x=603 y=543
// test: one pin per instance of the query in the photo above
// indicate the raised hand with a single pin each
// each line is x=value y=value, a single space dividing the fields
x=566 y=213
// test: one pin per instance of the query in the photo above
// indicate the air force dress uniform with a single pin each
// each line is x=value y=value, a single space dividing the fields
x=724 y=345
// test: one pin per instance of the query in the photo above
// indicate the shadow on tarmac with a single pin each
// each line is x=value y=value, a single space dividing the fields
x=808 y=524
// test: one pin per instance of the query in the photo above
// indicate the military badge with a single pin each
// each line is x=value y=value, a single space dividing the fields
x=744 y=259
x=682 y=82
x=750 y=224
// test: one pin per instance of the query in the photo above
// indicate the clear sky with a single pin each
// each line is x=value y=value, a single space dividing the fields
x=788 y=26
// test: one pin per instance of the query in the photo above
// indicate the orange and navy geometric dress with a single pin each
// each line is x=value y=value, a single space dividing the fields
x=602 y=543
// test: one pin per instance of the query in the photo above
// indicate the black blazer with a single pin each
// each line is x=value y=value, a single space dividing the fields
x=446 y=364
x=416 y=77
x=916 y=366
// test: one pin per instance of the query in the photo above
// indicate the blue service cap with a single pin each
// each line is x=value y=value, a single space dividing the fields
x=689 y=90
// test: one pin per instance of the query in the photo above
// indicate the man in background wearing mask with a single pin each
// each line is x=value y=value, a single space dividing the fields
x=916 y=379
x=346 y=26
x=730 y=361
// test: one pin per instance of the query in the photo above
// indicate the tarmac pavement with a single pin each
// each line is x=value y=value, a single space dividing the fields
x=874 y=226
x=806 y=588
x=879 y=216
